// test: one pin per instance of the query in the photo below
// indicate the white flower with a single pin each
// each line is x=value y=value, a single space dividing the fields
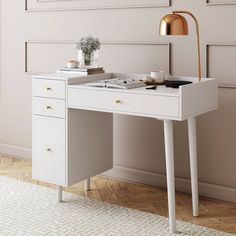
x=88 y=44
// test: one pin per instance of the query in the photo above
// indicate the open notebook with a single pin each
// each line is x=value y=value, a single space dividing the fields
x=117 y=83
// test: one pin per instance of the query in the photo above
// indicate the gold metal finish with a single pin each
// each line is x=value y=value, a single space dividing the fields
x=175 y=24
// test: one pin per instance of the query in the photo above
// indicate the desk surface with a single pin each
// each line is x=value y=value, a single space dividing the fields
x=76 y=81
x=161 y=90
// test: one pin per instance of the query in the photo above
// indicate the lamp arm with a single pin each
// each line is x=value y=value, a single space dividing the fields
x=198 y=40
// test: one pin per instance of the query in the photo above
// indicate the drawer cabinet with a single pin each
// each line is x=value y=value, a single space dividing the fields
x=62 y=138
x=49 y=131
x=49 y=107
x=49 y=88
x=49 y=152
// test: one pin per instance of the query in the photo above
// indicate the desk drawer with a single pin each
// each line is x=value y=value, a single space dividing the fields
x=49 y=88
x=137 y=104
x=49 y=107
x=49 y=152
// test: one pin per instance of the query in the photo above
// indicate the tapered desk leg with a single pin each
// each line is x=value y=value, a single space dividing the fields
x=87 y=184
x=59 y=192
x=193 y=164
x=169 y=152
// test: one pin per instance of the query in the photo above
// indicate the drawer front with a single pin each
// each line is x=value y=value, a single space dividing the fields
x=137 y=104
x=49 y=107
x=49 y=150
x=50 y=88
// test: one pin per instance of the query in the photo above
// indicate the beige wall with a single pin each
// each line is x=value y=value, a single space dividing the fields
x=132 y=45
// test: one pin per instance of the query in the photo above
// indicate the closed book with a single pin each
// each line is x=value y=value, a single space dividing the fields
x=80 y=72
x=88 y=70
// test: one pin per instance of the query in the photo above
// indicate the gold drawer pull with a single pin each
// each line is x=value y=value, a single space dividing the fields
x=49 y=149
x=49 y=89
x=49 y=108
x=118 y=101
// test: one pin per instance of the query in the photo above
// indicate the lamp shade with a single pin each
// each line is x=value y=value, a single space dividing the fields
x=173 y=24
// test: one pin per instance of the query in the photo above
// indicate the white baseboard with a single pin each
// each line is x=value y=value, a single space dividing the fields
x=183 y=185
x=16 y=151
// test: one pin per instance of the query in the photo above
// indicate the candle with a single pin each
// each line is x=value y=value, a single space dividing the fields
x=158 y=76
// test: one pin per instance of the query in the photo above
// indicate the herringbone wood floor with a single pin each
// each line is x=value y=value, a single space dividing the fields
x=213 y=214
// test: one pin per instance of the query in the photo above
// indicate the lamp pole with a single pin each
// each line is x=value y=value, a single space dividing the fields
x=198 y=40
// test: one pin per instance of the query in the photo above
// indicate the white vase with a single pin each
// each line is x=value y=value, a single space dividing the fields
x=80 y=58
x=87 y=59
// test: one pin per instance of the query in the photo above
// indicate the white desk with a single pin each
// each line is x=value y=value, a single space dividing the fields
x=73 y=126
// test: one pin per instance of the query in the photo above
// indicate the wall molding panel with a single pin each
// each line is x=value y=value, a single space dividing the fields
x=224 y=72
x=115 y=55
x=76 y=5
x=221 y=2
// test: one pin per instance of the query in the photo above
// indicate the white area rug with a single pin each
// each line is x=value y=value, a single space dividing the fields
x=28 y=209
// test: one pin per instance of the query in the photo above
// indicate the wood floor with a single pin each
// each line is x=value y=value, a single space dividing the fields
x=213 y=213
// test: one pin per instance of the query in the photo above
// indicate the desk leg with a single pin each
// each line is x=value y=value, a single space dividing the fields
x=193 y=164
x=59 y=192
x=87 y=184
x=169 y=152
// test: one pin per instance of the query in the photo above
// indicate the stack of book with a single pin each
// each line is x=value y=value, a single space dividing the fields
x=83 y=70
